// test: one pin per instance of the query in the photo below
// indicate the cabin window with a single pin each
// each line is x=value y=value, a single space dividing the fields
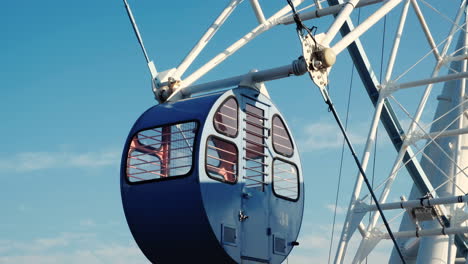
x=161 y=152
x=282 y=142
x=221 y=160
x=285 y=180
x=225 y=119
x=255 y=165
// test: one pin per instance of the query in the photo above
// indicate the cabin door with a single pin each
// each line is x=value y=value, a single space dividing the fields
x=254 y=214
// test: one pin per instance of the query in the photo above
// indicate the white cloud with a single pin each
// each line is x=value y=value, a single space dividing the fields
x=339 y=209
x=42 y=244
x=315 y=244
x=33 y=161
x=315 y=241
x=116 y=254
x=325 y=135
x=421 y=127
x=87 y=223
x=70 y=248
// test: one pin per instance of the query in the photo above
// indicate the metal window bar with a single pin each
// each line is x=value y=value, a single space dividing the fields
x=280 y=136
x=287 y=189
x=228 y=116
x=229 y=107
x=189 y=144
x=255 y=124
x=156 y=151
x=149 y=171
x=223 y=150
x=216 y=169
x=255 y=143
x=143 y=171
x=159 y=130
x=289 y=180
x=224 y=124
x=172 y=156
x=223 y=160
x=253 y=176
x=284 y=171
x=260 y=166
x=250 y=169
x=259 y=162
x=165 y=142
x=279 y=127
x=254 y=133
x=255 y=115
x=283 y=146
x=155 y=172
x=145 y=162
x=285 y=181
x=255 y=152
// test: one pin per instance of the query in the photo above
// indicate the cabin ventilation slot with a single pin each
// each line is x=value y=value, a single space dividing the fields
x=161 y=152
x=279 y=245
x=255 y=166
x=229 y=235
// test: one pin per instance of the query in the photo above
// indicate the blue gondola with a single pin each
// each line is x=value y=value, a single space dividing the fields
x=213 y=179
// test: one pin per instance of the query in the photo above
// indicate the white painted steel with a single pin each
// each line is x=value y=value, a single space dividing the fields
x=318 y=4
x=457 y=58
x=426 y=30
x=193 y=54
x=396 y=164
x=346 y=231
x=331 y=10
x=454 y=26
x=430 y=81
x=396 y=41
x=297 y=67
x=419 y=203
x=364 y=26
x=150 y=63
x=440 y=249
x=344 y=10
x=428 y=232
x=258 y=11
x=411 y=129
x=339 y=21
x=269 y=23
x=446 y=133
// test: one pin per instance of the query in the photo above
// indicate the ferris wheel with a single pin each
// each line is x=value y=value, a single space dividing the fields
x=227 y=152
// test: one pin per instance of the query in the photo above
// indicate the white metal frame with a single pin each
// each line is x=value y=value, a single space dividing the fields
x=186 y=87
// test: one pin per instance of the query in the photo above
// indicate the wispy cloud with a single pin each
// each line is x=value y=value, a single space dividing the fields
x=117 y=254
x=314 y=248
x=45 y=243
x=339 y=209
x=87 y=223
x=34 y=161
x=325 y=135
x=69 y=248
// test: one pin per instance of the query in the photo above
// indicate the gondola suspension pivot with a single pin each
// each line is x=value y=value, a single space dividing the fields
x=166 y=86
x=319 y=59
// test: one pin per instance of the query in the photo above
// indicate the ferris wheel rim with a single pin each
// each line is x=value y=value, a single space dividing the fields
x=390 y=122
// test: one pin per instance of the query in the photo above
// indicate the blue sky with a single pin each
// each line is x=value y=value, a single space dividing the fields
x=73 y=81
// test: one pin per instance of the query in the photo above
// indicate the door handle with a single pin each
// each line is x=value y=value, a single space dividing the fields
x=242 y=216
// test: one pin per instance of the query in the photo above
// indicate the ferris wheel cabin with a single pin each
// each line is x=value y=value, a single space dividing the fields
x=213 y=179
